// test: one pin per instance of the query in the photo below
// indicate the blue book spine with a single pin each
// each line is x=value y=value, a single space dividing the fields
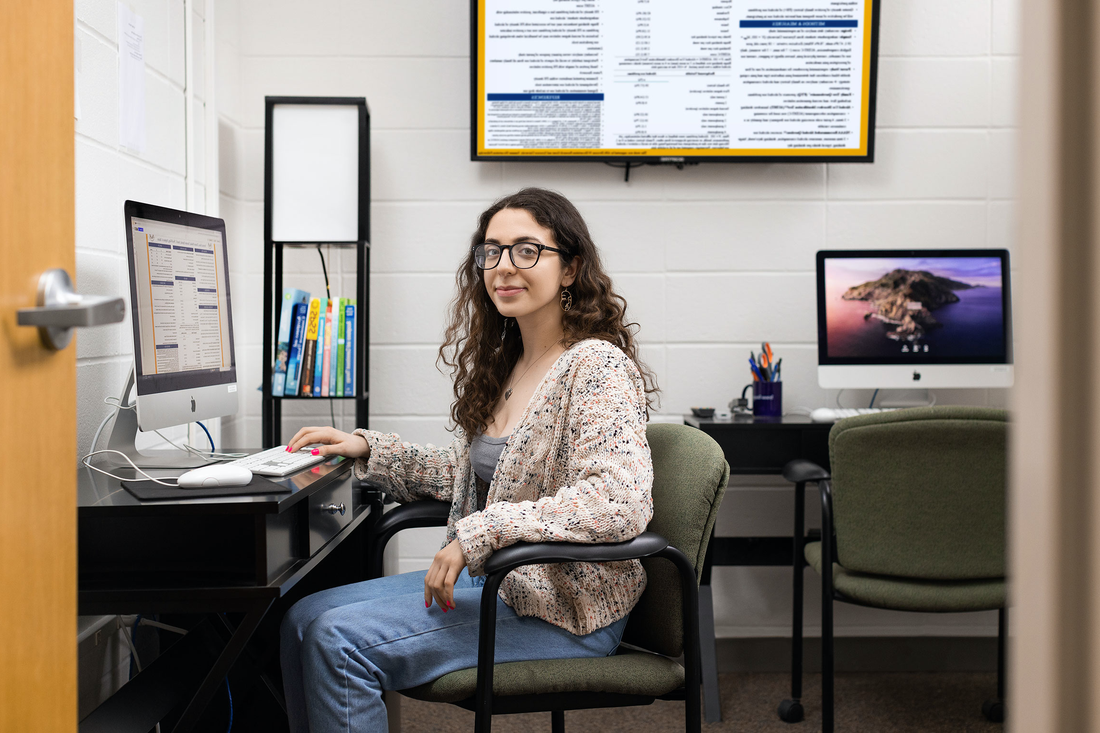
x=320 y=359
x=349 y=349
x=291 y=297
x=294 y=362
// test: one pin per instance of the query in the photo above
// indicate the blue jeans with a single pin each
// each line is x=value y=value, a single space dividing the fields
x=341 y=647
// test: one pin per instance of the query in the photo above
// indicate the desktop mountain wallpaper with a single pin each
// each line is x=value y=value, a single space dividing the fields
x=904 y=307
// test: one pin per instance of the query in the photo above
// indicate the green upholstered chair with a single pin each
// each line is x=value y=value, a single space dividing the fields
x=690 y=476
x=913 y=519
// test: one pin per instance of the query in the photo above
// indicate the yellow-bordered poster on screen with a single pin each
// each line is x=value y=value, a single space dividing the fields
x=674 y=80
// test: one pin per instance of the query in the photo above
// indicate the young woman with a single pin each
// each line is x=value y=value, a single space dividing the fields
x=550 y=410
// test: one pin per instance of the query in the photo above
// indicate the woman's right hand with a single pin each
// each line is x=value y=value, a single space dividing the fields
x=333 y=442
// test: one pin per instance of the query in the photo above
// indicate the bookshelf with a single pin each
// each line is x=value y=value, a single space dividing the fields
x=322 y=193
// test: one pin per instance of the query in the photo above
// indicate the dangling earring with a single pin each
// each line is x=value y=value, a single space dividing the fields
x=566 y=300
x=504 y=331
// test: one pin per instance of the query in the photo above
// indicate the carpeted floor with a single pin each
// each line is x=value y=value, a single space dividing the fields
x=909 y=702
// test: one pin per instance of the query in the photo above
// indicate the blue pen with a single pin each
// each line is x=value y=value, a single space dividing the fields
x=755 y=371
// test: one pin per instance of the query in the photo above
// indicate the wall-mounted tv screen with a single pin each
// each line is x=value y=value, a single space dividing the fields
x=673 y=80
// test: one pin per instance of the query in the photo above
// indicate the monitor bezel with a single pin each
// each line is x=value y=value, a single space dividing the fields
x=176 y=381
x=823 y=359
x=655 y=159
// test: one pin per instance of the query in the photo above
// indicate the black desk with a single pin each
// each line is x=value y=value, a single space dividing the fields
x=758 y=447
x=209 y=556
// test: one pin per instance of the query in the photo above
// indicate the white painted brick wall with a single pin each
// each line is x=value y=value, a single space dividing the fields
x=107 y=175
x=713 y=259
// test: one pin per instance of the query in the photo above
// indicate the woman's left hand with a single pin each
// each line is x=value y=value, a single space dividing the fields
x=439 y=583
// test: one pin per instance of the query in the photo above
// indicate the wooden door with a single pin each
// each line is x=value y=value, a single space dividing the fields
x=38 y=402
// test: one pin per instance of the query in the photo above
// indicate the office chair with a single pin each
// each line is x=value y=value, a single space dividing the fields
x=690 y=476
x=912 y=519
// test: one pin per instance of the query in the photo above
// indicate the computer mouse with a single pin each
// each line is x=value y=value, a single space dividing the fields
x=823 y=414
x=216 y=476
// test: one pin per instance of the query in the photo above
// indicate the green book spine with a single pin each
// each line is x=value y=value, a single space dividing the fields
x=340 y=343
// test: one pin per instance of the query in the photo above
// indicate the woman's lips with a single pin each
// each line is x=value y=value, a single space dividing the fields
x=508 y=292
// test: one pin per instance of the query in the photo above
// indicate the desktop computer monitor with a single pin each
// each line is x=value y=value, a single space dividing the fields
x=184 y=364
x=913 y=319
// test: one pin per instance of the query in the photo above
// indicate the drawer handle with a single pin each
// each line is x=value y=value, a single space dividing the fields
x=335 y=509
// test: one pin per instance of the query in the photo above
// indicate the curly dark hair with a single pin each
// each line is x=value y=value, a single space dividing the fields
x=480 y=360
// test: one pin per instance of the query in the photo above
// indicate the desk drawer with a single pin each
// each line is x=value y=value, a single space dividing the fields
x=325 y=515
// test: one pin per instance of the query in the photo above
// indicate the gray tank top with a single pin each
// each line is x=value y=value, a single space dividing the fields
x=484 y=455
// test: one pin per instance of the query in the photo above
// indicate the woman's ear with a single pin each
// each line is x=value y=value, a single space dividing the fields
x=569 y=273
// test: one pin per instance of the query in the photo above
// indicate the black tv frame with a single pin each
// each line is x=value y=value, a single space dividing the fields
x=639 y=160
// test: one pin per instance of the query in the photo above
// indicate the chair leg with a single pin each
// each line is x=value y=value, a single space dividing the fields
x=827 y=663
x=994 y=710
x=557 y=721
x=828 y=556
x=790 y=710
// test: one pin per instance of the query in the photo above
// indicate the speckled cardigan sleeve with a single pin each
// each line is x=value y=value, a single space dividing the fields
x=609 y=467
x=410 y=472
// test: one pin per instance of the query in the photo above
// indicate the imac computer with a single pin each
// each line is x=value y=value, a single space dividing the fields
x=913 y=319
x=184 y=364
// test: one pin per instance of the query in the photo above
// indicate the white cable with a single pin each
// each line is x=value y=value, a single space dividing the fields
x=129 y=642
x=202 y=454
x=84 y=460
x=166 y=627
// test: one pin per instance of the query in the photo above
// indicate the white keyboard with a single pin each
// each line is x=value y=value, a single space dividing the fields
x=277 y=462
x=832 y=414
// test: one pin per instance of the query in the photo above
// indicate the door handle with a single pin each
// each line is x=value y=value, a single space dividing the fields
x=60 y=310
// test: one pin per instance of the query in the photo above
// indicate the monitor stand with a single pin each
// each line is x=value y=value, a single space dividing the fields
x=905 y=398
x=124 y=434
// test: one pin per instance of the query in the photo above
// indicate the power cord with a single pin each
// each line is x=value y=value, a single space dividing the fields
x=328 y=294
x=133 y=465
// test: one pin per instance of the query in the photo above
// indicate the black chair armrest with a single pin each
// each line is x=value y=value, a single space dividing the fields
x=509 y=558
x=506 y=559
x=800 y=471
x=427 y=513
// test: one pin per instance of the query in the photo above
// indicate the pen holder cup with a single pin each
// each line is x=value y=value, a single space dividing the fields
x=767 y=399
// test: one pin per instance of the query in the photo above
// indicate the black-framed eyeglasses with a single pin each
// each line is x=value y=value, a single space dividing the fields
x=524 y=255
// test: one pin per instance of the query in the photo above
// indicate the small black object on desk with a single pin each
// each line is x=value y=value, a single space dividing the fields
x=759 y=446
x=231 y=554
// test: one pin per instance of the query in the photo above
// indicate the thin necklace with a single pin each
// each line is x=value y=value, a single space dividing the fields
x=508 y=392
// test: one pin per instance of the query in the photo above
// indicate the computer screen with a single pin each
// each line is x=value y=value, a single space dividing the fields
x=918 y=317
x=182 y=315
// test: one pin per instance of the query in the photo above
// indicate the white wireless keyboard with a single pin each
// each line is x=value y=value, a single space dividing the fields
x=277 y=462
x=832 y=414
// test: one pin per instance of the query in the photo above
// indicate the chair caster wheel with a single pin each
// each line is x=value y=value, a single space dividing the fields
x=790 y=711
x=994 y=711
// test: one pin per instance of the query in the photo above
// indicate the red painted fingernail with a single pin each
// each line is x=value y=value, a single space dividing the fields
x=288 y=449
x=450 y=604
x=427 y=604
x=315 y=452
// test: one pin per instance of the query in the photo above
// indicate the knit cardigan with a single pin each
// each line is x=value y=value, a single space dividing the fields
x=576 y=468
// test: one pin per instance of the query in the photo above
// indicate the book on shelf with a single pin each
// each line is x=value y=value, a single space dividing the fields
x=291 y=297
x=319 y=360
x=297 y=340
x=341 y=335
x=326 y=346
x=309 y=350
x=349 y=356
x=315 y=351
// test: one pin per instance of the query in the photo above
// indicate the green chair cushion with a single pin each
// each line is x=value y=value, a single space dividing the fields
x=906 y=594
x=628 y=673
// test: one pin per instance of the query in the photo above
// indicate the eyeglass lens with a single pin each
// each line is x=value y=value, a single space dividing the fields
x=523 y=255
